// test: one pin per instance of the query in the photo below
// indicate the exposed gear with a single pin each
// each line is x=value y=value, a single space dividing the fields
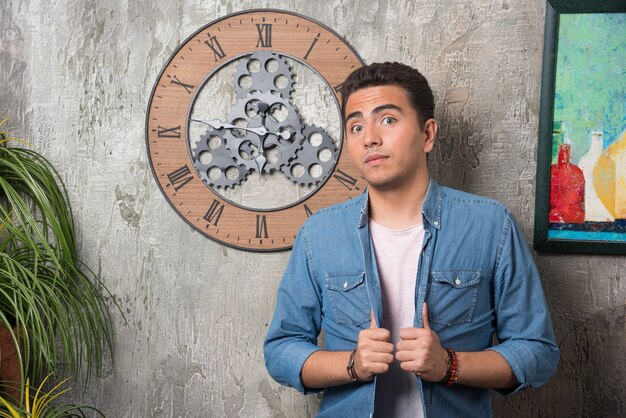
x=309 y=156
x=263 y=112
x=279 y=116
x=280 y=80
x=220 y=159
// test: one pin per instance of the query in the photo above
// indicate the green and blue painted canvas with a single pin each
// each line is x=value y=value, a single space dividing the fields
x=588 y=171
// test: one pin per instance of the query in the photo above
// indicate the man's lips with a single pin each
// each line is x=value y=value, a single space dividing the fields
x=373 y=158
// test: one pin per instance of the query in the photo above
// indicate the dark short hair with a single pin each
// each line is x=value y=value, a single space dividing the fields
x=397 y=74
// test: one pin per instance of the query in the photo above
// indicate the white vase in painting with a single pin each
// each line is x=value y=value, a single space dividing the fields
x=595 y=211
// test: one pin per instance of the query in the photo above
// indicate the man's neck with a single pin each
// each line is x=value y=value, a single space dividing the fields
x=398 y=208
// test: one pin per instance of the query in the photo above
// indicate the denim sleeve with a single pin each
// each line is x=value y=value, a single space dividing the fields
x=524 y=329
x=292 y=335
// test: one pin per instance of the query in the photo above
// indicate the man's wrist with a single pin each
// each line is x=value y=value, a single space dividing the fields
x=451 y=375
x=351 y=368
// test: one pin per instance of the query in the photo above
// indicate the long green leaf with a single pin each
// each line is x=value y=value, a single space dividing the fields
x=46 y=291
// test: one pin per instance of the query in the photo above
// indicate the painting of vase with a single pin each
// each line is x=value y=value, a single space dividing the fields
x=588 y=161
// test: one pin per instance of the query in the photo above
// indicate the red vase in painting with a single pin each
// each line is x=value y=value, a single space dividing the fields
x=567 y=190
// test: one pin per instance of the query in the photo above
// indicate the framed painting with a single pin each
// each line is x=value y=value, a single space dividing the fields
x=581 y=157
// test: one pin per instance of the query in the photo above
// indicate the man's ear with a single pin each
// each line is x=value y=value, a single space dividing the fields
x=430 y=129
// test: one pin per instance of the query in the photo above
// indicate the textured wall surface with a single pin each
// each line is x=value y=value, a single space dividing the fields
x=75 y=78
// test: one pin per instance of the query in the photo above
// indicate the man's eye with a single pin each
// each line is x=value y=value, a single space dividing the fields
x=388 y=120
x=356 y=128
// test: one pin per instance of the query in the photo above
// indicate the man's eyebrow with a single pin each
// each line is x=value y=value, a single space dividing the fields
x=376 y=111
x=380 y=108
x=354 y=115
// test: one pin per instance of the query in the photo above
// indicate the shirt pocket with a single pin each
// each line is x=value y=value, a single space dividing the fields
x=452 y=297
x=347 y=295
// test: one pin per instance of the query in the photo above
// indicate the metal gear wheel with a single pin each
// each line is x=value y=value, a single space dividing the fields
x=309 y=155
x=220 y=159
x=264 y=80
x=247 y=109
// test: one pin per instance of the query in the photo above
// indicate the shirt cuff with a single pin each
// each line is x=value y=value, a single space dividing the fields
x=515 y=359
x=292 y=361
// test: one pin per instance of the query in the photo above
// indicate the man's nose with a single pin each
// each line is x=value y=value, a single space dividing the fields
x=372 y=138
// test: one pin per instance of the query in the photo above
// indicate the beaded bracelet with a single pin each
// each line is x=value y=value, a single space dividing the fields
x=451 y=376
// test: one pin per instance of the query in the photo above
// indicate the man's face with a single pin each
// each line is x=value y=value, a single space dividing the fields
x=384 y=137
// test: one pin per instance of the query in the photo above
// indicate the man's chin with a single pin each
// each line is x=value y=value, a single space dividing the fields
x=384 y=184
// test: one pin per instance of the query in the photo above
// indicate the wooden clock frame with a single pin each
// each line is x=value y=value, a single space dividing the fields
x=167 y=124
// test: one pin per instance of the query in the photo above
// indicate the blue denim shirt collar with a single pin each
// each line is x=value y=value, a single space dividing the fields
x=433 y=202
x=431 y=208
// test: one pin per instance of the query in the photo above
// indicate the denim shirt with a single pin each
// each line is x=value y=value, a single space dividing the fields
x=475 y=272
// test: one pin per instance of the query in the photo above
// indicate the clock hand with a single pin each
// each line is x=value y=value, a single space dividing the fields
x=218 y=124
x=263 y=108
x=261 y=130
x=260 y=159
x=284 y=135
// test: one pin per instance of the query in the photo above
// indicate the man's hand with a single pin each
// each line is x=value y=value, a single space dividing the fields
x=374 y=351
x=419 y=351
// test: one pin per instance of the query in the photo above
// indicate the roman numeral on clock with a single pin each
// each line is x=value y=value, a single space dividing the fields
x=261 y=226
x=338 y=88
x=346 y=179
x=265 y=35
x=215 y=212
x=168 y=132
x=317 y=38
x=215 y=46
x=307 y=210
x=187 y=87
x=180 y=177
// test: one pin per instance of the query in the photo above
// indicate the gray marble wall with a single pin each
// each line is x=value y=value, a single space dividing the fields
x=76 y=77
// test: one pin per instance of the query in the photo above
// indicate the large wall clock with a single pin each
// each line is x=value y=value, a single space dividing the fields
x=243 y=127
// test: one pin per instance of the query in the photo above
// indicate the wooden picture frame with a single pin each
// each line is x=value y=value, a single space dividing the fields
x=562 y=235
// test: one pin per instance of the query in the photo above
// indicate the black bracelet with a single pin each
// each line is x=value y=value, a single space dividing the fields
x=448 y=368
x=351 y=368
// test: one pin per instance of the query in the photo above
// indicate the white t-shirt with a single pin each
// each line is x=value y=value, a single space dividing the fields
x=397 y=255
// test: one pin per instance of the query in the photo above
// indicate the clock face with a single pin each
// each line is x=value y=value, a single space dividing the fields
x=244 y=127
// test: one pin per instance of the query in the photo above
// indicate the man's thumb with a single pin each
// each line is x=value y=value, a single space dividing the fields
x=425 y=316
x=372 y=319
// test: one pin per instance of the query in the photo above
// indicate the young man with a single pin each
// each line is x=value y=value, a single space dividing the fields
x=410 y=281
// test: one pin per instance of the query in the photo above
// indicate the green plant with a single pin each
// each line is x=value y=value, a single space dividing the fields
x=39 y=405
x=52 y=303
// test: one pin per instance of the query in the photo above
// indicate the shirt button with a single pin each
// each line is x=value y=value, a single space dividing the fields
x=345 y=284
x=435 y=223
x=457 y=281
